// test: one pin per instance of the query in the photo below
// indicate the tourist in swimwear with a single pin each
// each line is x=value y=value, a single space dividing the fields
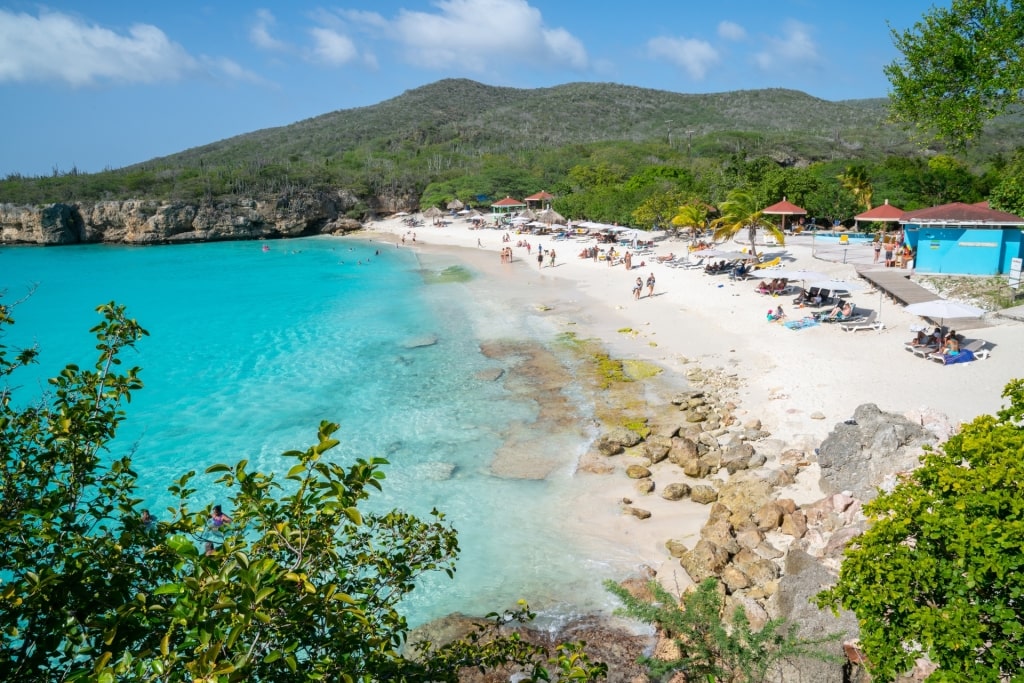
x=650 y=285
x=218 y=518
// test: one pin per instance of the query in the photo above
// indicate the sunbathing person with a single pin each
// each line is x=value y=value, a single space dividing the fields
x=765 y=287
x=839 y=313
x=921 y=339
x=668 y=257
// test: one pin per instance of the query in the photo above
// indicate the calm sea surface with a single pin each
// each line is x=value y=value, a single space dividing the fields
x=251 y=349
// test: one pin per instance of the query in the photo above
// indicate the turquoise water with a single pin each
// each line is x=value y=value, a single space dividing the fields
x=251 y=349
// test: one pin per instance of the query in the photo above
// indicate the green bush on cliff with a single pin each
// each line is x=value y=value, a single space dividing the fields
x=301 y=585
x=708 y=648
x=940 y=571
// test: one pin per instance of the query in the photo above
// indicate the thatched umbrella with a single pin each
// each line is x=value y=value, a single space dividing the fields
x=528 y=214
x=550 y=216
x=456 y=205
x=433 y=212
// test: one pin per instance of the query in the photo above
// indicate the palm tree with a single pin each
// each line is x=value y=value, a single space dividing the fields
x=738 y=211
x=693 y=216
x=856 y=180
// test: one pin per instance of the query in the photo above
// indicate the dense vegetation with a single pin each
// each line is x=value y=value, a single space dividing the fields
x=940 y=571
x=608 y=152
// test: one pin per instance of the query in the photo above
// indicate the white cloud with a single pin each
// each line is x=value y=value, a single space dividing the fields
x=232 y=70
x=693 y=56
x=331 y=47
x=259 y=34
x=479 y=34
x=731 y=31
x=61 y=47
x=796 y=47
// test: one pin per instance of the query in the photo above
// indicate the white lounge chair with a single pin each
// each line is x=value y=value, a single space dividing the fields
x=979 y=347
x=870 y=322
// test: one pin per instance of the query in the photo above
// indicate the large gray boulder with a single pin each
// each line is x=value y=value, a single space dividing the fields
x=860 y=454
x=804 y=577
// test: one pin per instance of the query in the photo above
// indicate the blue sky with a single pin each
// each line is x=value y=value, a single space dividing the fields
x=94 y=84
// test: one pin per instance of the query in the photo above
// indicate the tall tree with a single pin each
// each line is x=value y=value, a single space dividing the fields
x=940 y=570
x=960 y=67
x=693 y=215
x=856 y=180
x=740 y=211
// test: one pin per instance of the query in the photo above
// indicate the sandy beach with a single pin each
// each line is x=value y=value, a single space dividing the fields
x=798 y=383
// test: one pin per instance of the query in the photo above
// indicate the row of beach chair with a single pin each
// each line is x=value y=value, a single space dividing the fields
x=975 y=348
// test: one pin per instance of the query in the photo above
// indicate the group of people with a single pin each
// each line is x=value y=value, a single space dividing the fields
x=897 y=254
x=638 y=288
x=506 y=254
x=540 y=257
x=775 y=287
x=937 y=341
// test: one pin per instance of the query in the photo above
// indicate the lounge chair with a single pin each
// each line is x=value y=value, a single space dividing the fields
x=768 y=264
x=807 y=295
x=976 y=348
x=868 y=322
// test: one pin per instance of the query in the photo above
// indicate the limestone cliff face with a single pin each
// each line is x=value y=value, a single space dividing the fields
x=156 y=222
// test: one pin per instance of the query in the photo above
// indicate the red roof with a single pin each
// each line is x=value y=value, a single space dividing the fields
x=958 y=212
x=784 y=208
x=539 y=196
x=885 y=212
x=508 y=201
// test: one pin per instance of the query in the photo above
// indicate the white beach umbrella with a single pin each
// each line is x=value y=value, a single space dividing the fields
x=727 y=255
x=945 y=308
x=795 y=274
x=837 y=285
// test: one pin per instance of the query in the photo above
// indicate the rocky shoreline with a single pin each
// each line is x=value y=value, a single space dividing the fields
x=770 y=552
x=168 y=222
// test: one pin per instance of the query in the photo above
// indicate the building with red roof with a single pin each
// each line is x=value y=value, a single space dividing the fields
x=507 y=205
x=963 y=239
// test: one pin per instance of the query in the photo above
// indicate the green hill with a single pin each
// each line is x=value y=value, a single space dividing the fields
x=458 y=127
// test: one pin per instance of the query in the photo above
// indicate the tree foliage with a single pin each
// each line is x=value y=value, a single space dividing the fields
x=940 y=571
x=960 y=67
x=742 y=211
x=710 y=648
x=300 y=585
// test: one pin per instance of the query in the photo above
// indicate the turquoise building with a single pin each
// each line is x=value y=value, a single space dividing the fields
x=963 y=239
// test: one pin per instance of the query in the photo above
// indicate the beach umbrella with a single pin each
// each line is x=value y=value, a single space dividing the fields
x=944 y=309
x=723 y=254
x=784 y=208
x=796 y=274
x=837 y=285
x=550 y=216
x=455 y=205
x=433 y=212
x=886 y=213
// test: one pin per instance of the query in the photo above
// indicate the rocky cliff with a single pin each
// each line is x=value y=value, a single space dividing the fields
x=157 y=222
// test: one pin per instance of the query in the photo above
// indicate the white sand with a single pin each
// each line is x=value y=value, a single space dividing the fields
x=787 y=375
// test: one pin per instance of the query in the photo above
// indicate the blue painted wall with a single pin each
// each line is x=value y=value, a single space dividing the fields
x=963 y=250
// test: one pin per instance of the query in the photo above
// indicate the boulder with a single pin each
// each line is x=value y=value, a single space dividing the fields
x=703 y=494
x=859 y=454
x=697 y=468
x=637 y=472
x=719 y=532
x=756 y=614
x=768 y=517
x=627 y=437
x=675 y=491
x=676 y=548
x=734 y=579
x=639 y=513
x=643 y=486
x=803 y=578
x=757 y=569
x=748 y=535
x=683 y=449
x=704 y=561
x=608 y=446
x=656 y=448
x=794 y=524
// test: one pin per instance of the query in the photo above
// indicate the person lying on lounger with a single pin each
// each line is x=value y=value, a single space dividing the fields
x=839 y=313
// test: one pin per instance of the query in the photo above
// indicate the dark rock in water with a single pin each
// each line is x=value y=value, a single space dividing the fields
x=420 y=342
x=860 y=454
x=490 y=374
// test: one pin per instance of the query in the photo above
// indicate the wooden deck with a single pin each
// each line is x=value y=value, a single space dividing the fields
x=896 y=284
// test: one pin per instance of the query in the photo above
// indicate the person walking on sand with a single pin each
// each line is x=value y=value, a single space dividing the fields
x=650 y=285
x=638 y=287
x=877 y=246
x=540 y=258
x=551 y=258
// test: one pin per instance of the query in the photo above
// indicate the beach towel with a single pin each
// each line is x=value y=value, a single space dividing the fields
x=801 y=323
x=960 y=357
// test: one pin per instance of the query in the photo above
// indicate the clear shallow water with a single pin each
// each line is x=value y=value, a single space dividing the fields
x=250 y=350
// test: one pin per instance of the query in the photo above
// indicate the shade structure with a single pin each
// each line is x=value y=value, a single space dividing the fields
x=455 y=205
x=784 y=208
x=550 y=216
x=794 y=274
x=945 y=308
x=836 y=285
x=723 y=254
x=884 y=213
x=433 y=212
